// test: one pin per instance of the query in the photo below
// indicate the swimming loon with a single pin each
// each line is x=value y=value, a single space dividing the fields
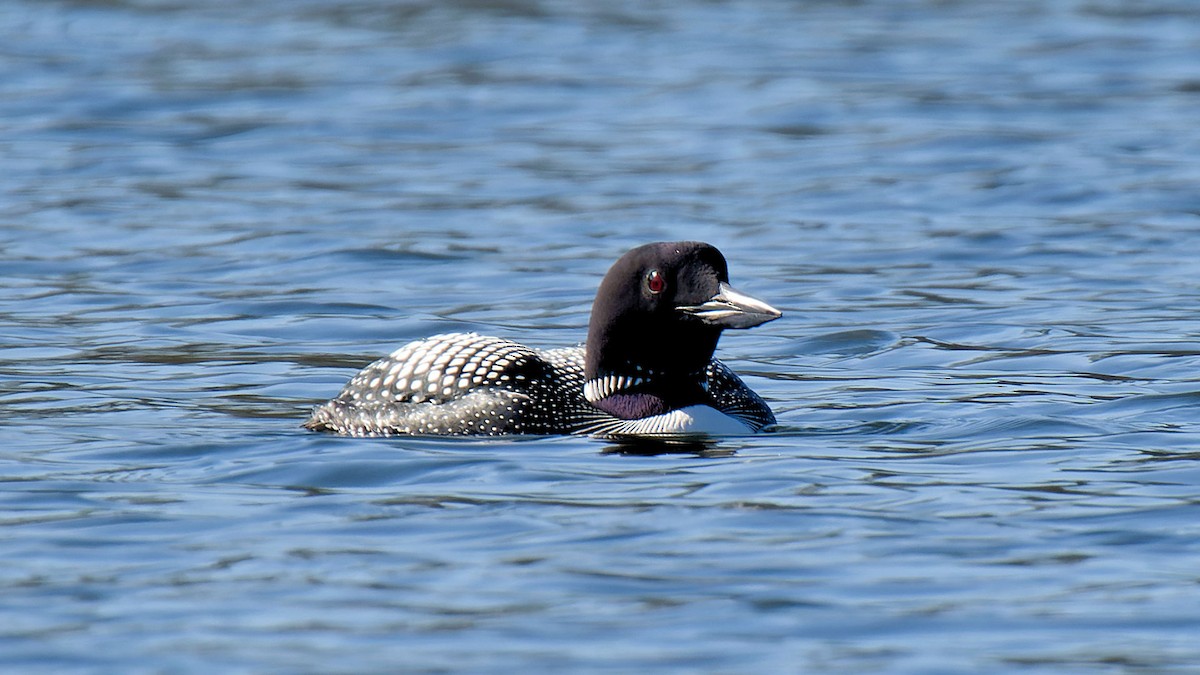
x=647 y=368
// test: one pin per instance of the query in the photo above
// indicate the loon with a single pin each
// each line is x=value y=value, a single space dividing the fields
x=647 y=368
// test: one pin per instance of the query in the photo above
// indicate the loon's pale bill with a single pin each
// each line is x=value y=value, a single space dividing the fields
x=731 y=308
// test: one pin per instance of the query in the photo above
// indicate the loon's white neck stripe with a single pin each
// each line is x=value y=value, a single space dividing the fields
x=606 y=385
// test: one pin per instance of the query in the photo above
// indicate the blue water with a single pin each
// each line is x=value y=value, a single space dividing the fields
x=981 y=220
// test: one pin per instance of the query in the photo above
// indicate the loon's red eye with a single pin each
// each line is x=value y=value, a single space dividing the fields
x=656 y=282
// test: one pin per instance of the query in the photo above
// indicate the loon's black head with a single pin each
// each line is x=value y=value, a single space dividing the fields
x=655 y=324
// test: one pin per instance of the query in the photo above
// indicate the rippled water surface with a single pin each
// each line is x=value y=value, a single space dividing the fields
x=981 y=219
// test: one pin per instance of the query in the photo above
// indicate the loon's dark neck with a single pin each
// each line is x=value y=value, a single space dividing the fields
x=648 y=366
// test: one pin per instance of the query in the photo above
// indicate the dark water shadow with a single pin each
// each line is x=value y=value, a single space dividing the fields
x=649 y=447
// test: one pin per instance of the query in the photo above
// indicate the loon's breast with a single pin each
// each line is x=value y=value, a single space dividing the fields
x=691 y=420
